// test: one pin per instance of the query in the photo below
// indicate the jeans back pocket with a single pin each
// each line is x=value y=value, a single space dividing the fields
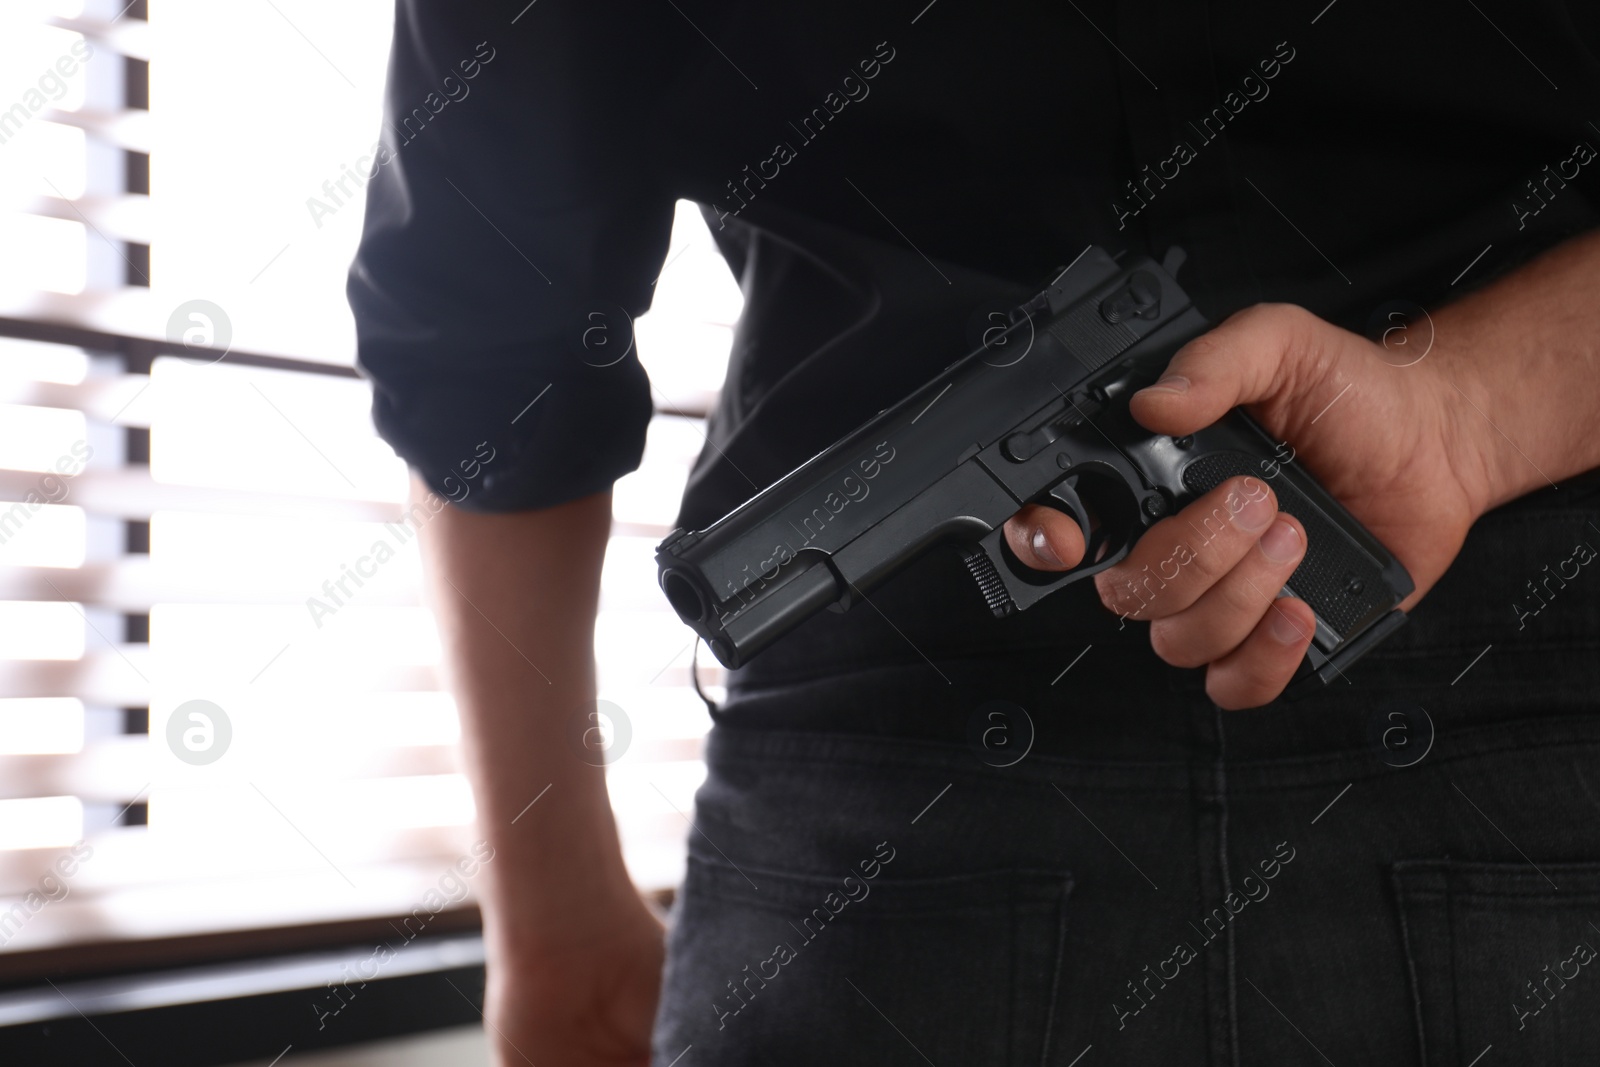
x=778 y=967
x=1503 y=955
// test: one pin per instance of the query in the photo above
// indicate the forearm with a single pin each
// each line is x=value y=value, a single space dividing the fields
x=515 y=596
x=1525 y=352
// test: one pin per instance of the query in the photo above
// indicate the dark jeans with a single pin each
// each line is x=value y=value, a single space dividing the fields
x=1401 y=870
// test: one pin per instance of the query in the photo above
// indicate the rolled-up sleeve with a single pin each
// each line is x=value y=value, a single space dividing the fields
x=513 y=230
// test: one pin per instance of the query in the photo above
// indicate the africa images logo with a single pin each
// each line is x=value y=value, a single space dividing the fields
x=849 y=488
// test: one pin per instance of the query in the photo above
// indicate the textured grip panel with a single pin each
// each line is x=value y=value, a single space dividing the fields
x=1338 y=579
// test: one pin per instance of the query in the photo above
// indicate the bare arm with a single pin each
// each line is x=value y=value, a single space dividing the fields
x=1526 y=351
x=574 y=954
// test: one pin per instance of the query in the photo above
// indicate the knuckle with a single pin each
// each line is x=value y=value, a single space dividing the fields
x=1260 y=680
x=1104 y=590
x=1114 y=591
x=1302 y=335
x=1286 y=317
x=1270 y=316
x=1285 y=322
x=1167 y=641
x=1222 y=508
x=1203 y=348
x=1245 y=602
x=1211 y=561
x=1240 y=491
x=1234 y=689
x=1248 y=485
x=1217 y=691
x=1290 y=333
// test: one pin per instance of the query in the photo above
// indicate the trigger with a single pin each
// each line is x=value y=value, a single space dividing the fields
x=1066 y=498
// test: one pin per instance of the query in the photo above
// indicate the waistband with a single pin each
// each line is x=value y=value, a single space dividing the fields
x=763 y=755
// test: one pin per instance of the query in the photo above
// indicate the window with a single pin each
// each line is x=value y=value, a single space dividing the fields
x=172 y=716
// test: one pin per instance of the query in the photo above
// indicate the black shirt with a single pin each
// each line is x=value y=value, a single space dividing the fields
x=1337 y=159
x=876 y=174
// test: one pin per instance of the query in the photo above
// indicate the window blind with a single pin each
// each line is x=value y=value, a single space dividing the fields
x=184 y=466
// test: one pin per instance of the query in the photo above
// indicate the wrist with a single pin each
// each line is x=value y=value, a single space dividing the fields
x=1472 y=447
x=557 y=863
x=529 y=935
x=549 y=897
x=1520 y=367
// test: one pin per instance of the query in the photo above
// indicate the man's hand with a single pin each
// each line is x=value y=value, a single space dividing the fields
x=587 y=998
x=1383 y=434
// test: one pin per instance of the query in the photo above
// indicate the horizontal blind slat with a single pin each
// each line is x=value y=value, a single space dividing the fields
x=132 y=493
x=107 y=679
x=135 y=584
x=130 y=37
x=102 y=399
x=115 y=769
x=130 y=129
x=127 y=217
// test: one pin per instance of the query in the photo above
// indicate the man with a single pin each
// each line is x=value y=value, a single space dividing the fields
x=1165 y=877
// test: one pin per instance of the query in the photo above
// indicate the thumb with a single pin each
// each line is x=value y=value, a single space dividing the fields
x=1258 y=353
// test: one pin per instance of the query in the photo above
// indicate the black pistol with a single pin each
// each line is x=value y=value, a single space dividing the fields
x=1038 y=413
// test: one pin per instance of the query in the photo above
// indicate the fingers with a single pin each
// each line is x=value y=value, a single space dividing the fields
x=1258 y=353
x=1225 y=614
x=1180 y=558
x=1045 y=539
x=1207 y=579
x=1257 y=671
